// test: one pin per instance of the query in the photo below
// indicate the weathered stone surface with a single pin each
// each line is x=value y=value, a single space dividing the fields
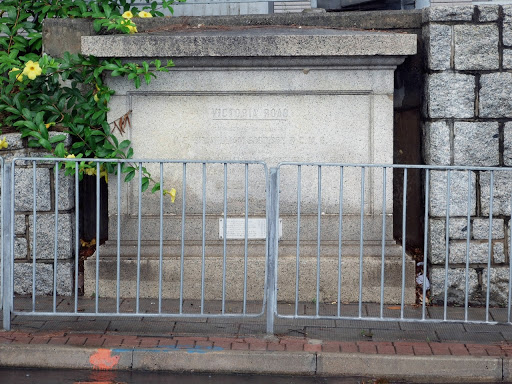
x=499 y=253
x=459 y=193
x=478 y=252
x=476 y=144
x=495 y=90
x=507 y=144
x=437 y=143
x=481 y=228
x=438 y=46
x=66 y=191
x=20 y=248
x=14 y=141
x=45 y=232
x=456 y=284
x=476 y=47
x=448 y=13
x=488 y=12
x=507 y=58
x=501 y=192
x=44 y=278
x=450 y=95
x=499 y=285
x=20 y=226
x=23 y=189
x=437 y=241
x=507 y=25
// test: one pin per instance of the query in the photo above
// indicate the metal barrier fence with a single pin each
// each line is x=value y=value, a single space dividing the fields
x=299 y=241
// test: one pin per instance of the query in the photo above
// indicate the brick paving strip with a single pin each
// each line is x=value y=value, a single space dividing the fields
x=289 y=344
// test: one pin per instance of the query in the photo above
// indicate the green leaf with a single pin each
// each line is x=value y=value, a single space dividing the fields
x=60 y=151
x=129 y=176
x=124 y=144
x=57 y=138
x=156 y=187
x=145 y=184
x=45 y=144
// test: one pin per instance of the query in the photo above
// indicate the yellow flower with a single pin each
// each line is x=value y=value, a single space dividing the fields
x=144 y=14
x=132 y=28
x=90 y=171
x=104 y=173
x=96 y=98
x=3 y=143
x=171 y=193
x=70 y=156
x=19 y=76
x=127 y=15
x=49 y=125
x=32 y=70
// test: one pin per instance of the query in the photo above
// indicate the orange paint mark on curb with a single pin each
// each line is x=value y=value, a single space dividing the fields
x=103 y=359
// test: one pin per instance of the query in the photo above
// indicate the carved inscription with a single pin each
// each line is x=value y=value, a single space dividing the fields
x=249 y=113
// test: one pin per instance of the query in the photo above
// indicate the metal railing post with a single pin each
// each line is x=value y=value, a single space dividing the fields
x=7 y=239
x=273 y=234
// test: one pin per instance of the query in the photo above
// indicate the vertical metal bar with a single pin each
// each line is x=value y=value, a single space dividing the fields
x=383 y=241
x=447 y=241
x=7 y=244
x=491 y=209
x=34 y=235
x=509 y=265
x=272 y=235
x=56 y=236
x=224 y=242
x=77 y=231
x=361 y=240
x=297 y=257
x=182 y=257
x=340 y=238
x=161 y=236
x=203 y=245
x=425 y=243
x=318 y=238
x=118 y=254
x=246 y=241
x=139 y=235
x=404 y=238
x=97 y=292
x=468 y=236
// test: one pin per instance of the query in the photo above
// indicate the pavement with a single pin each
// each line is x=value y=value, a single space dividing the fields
x=412 y=351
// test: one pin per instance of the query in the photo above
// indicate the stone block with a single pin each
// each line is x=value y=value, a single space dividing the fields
x=449 y=13
x=495 y=90
x=450 y=95
x=507 y=25
x=44 y=278
x=507 y=144
x=478 y=252
x=476 y=144
x=498 y=277
x=481 y=229
x=438 y=46
x=20 y=248
x=20 y=225
x=507 y=58
x=14 y=142
x=476 y=47
x=437 y=143
x=488 y=12
x=456 y=285
x=498 y=253
x=45 y=236
x=24 y=189
x=459 y=193
x=502 y=189
x=437 y=241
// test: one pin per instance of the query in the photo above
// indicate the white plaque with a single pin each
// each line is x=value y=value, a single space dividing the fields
x=235 y=228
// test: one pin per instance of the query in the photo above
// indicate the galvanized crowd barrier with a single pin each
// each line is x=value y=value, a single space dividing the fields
x=297 y=241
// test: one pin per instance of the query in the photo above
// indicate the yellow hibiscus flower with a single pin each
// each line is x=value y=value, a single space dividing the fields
x=32 y=69
x=171 y=193
x=144 y=14
x=127 y=15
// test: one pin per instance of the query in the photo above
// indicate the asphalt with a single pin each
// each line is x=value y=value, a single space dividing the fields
x=415 y=351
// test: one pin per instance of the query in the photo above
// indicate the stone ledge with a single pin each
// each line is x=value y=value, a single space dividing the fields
x=280 y=42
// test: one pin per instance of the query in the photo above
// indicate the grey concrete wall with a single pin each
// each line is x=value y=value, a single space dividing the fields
x=467 y=112
x=46 y=193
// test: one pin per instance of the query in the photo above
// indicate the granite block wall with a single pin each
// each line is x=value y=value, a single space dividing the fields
x=467 y=114
x=45 y=221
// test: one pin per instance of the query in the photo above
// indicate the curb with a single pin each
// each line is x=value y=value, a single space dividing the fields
x=429 y=368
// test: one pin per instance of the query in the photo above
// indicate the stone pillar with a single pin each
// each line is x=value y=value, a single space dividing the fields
x=468 y=113
x=45 y=221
